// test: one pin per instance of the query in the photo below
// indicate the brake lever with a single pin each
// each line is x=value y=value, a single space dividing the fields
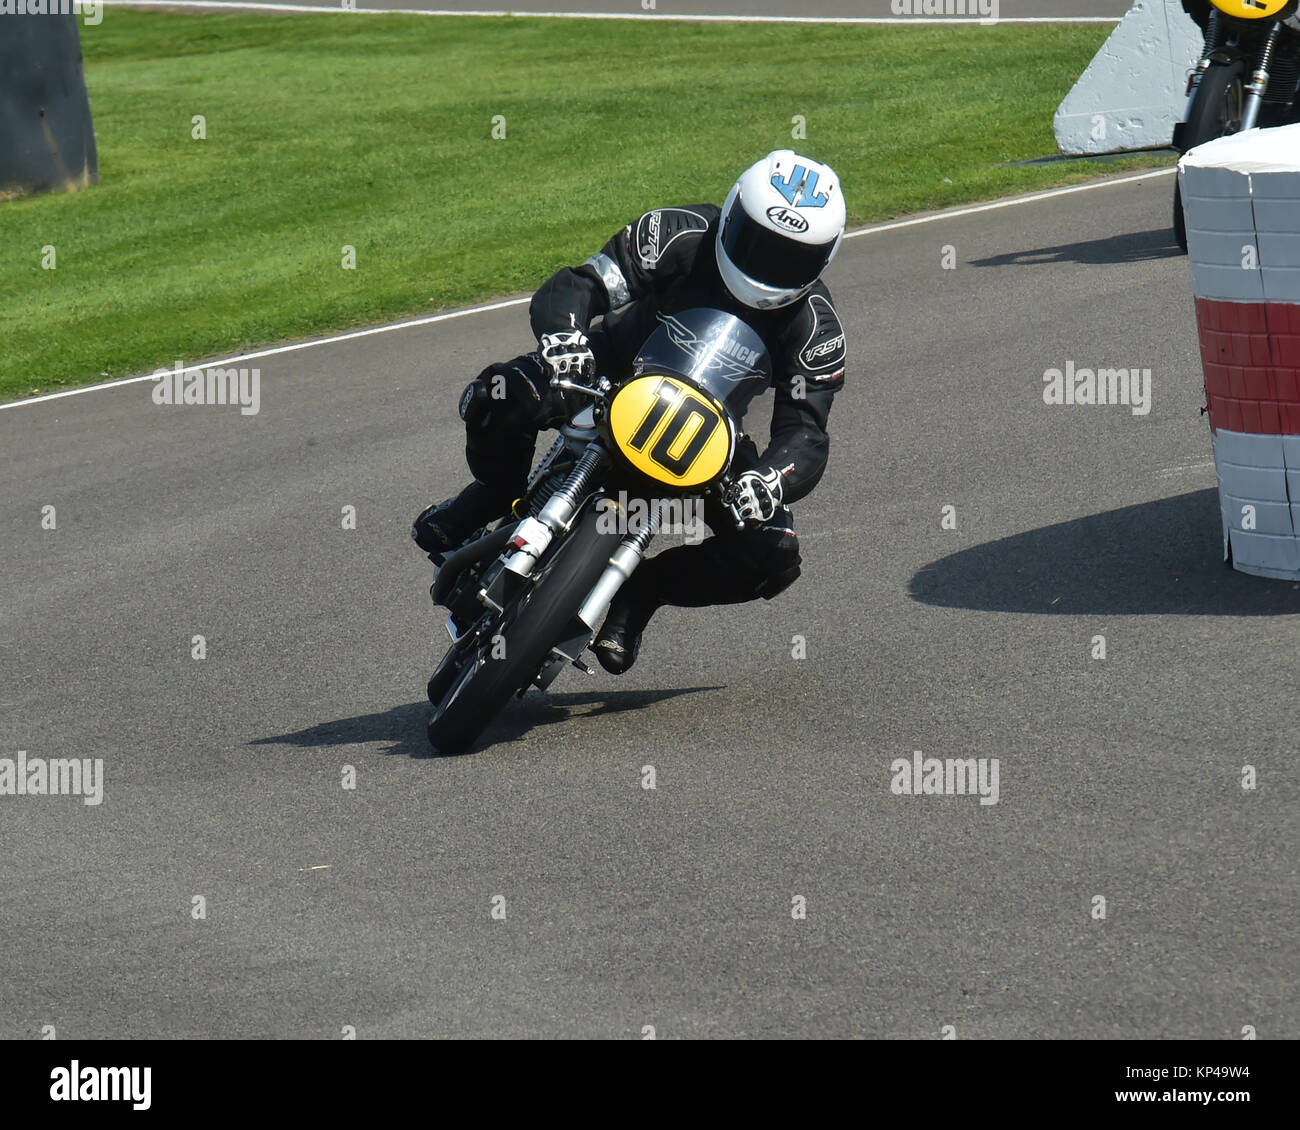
x=598 y=392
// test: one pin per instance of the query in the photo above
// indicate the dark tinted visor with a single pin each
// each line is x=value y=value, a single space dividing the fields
x=769 y=257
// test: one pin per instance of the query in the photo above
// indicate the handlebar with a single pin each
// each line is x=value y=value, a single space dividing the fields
x=599 y=392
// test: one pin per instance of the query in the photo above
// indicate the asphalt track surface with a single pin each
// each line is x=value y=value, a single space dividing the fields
x=880 y=9
x=627 y=907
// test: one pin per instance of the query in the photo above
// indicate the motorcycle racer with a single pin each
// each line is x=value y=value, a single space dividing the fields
x=761 y=257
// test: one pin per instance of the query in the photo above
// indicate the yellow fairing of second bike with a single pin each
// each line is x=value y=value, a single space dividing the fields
x=1250 y=9
x=671 y=431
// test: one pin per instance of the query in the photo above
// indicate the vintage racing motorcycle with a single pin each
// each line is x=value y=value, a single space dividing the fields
x=526 y=598
x=1246 y=77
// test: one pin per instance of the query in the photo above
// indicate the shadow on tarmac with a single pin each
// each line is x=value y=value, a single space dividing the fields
x=1159 y=558
x=1136 y=247
x=402 y=728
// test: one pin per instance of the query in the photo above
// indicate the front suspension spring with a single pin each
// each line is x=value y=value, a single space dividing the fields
x=1259 y=80
x=565 y=500
x=639 y=540
x=1213 y=35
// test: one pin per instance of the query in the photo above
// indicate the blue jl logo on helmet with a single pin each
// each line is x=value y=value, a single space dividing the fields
x=801 y=183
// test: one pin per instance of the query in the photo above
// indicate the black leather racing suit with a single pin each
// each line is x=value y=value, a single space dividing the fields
x=665 y=262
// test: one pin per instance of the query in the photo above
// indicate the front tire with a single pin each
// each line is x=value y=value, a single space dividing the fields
x=1215 y=112
x=440 y=682
x=524 y=636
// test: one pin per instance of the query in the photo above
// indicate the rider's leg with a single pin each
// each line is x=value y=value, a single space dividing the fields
x=733 y=567
x=504 y=407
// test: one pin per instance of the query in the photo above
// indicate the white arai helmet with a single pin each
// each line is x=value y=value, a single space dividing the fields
x=781 y=226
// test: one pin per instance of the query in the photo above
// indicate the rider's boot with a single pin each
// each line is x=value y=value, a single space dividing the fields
x=447 y=525
x=678 y=576
x=619 y=640
x=686 y=576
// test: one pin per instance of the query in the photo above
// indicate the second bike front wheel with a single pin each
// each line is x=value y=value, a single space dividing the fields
x=1215 y=112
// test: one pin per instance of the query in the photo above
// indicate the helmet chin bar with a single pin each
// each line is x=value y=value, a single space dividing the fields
x=751 y=293
x=773 y=303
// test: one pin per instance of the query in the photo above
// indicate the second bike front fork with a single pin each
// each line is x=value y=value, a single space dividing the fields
x=1258 y=84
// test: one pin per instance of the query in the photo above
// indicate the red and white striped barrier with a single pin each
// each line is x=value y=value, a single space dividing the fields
x=1241 y=199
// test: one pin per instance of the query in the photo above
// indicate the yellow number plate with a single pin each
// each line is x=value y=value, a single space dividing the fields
x=671 y=431
x=1250 y=9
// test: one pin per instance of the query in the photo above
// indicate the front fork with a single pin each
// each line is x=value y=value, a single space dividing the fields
x=1259 y=81
x=628 y=556
x=1212 y=44
x=622 y=563
x=584 y=625
x=1255 y=89
x=533 y=536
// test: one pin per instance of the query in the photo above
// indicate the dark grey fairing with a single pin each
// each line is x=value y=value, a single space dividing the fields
x=715 y=351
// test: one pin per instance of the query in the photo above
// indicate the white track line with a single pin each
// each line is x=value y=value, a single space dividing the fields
x=432 y=318
x=861 y=20
x=971 y=211
x=278 y=349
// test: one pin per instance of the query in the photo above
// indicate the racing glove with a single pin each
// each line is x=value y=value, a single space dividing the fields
x=568 y=353
x=758 y=494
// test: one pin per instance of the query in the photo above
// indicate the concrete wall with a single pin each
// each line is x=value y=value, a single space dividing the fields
x=1135 y=88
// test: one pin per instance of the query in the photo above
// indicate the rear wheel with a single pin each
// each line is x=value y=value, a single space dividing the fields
x=487 y=676
x=1215 y=112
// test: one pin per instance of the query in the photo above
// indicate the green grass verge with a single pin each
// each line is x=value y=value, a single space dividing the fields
x=376 y=132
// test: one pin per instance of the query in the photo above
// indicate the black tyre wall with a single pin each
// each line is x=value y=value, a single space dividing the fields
x=1203 y=116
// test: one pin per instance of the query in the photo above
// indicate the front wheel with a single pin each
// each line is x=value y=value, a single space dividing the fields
x=1215 y=112
x=502 y=664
